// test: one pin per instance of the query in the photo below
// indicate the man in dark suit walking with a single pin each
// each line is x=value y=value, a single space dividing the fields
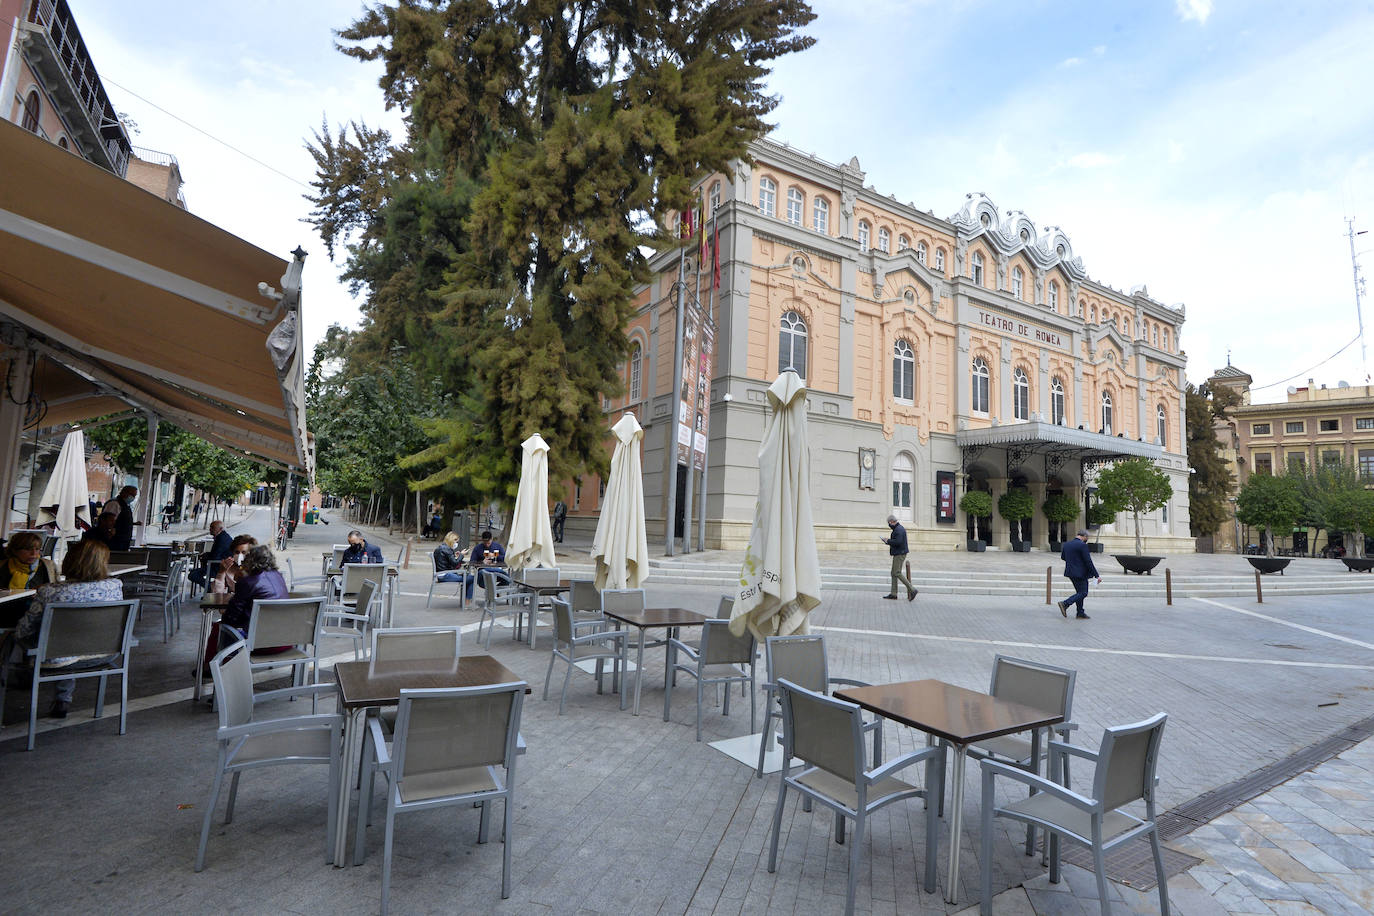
x=897 y=548
x=1078 y=569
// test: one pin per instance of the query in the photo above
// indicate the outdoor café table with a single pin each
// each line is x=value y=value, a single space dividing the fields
x=14 y=594
x=669 y=618
x=534 y=593
x=956 y=715
x=369 y=685
x=210 y=604
x=125 y=569
x=389 y=587
x=474 y=570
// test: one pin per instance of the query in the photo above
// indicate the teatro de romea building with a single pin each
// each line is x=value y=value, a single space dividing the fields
x=941 y=355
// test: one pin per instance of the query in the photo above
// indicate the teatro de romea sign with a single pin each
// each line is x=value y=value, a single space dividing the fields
x=1021 y=329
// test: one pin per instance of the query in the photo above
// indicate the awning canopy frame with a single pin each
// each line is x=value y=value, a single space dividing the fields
x=1058 y=444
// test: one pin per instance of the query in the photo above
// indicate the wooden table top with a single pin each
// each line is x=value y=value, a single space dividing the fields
x=124 y=569
x=14 y=594
x=659 y=617
x=209 y=600
x=956 y=714
x=363 y=684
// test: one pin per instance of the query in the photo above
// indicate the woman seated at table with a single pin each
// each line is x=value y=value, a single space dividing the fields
x=23 y=569
x=87 y=578
x=448 y=564
x=229 y=571
x=258 y=580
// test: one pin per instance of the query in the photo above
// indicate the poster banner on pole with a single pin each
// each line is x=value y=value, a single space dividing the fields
x=703 y=372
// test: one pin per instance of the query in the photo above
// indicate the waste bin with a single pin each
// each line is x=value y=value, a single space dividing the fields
x=461 y=522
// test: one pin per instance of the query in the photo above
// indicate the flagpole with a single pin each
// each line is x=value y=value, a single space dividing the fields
x=670 y=522
x=698 y=226
x=709 y=317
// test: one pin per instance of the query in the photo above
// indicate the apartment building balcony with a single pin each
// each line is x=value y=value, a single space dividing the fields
x=53 y=48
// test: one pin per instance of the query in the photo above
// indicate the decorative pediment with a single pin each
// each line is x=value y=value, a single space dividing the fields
x=1016 y=233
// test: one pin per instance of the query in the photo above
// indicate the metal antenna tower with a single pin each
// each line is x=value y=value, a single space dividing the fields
x=1359 y=289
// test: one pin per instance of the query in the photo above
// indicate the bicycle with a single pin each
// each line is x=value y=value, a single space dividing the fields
x=281 y=535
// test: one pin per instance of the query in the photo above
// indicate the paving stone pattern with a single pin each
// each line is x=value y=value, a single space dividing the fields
x=618 y=814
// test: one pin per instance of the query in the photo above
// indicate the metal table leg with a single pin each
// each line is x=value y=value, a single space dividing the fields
x=639 y=669
x=354 y=722
x=200 y=653
x=956 y=823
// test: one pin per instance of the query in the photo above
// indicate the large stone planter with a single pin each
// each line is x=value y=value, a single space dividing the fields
x=1268 y=565
x=976 y=546
x=1139 y=565
x=1358 y=564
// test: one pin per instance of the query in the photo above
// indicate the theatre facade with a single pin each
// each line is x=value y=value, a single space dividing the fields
x=942 y=356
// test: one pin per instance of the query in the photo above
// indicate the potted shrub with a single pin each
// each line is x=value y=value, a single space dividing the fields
x=976 y=504
x=1061 y=510
x=1016 y=506
x=1134 y=486
x=1099 y=514
x=1269 y=502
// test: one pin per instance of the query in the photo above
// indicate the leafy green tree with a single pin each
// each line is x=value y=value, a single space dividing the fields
x=1269 y=502
x=547 y=145
x=1060 y=509
x=1211 y=483
x=125 y=442
x=1016 y=506
x=1341 y=503
x=1134 y=486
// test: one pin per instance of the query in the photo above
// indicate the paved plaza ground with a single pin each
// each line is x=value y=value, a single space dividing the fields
x=625 y=814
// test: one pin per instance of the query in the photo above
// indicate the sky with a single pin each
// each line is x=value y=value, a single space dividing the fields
x=1210 y=150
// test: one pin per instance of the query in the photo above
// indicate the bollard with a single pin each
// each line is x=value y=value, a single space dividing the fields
x=1259 y=589
x=1168 y=586
x=1049 y=584
x=406 y=564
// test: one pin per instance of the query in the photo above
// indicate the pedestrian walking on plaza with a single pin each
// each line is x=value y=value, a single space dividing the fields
x=560 y=514
x=896 y=546
x=1078 y=569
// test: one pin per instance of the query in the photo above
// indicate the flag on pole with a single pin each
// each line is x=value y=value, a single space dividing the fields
x=715 y=255
x=701 y=247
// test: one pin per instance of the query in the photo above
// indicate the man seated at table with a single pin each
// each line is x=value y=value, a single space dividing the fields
x=360 y=551
x=219 y=549
x=229 y=568
x=488 y=550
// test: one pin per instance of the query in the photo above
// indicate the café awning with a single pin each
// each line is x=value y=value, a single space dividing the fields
x=1056 y=444
x=131 y=301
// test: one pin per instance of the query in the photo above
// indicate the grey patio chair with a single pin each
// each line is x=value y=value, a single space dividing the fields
x=595 y=644
x=413 y=643
x=101 y=632
x=500 y=601
x=538 y=575
x=720 y=661
x=343 y=622
x=449 y=748
x=826 y=734
x=802 y=660
x=354 y=575
x=1047 y=687
x=294 y=622
x=246 y=745
x=297 y=583
x=585 y=599
x=434 y=575
x=1125 y=773
x=724 y=608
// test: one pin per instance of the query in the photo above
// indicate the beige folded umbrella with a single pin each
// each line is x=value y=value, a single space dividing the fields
x=66 y=499
x=621 y=545
x=531 y=535
x=780 y=579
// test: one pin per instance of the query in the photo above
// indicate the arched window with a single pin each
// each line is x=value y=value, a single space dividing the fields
x=903 y=372
x=1107 y=412
x=1162 y=425
x=636 y=372
x=1057 y=401
x=820 y=215
x=62 y=142
x=982 y=386
x=903 y=243
x=921 y=252
x=32 y=109
x=976 y=270
x=884 y=240
x=792 y=343
x=1017 y=282
x=863 y=235
x=1092 y=314
x=1166 y=338
x=940 y=259
x=768 y=196
x=1154 y=336
x=1052 y=294
x=1020 y=394
x=795 y=204
x=902 y=476
x=715 y=197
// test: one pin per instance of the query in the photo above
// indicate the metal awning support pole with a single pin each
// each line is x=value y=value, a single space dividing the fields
x=13 y=404
x=670 y=481
x=145 y=486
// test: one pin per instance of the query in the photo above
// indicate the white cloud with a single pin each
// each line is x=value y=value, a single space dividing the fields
x=1070 y=62
x=1194 y=10
x=1175 y=152
x=1093 y=160
x=1099 y=50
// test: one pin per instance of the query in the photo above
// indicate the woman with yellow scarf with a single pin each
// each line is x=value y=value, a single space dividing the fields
x=22 y=570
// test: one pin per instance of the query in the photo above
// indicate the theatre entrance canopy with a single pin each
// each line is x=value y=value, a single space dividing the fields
x=112 y=299
x=1047 y=447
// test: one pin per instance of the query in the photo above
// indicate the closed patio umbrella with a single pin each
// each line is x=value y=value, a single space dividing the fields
x=531 y=536
x=621 y=546
x=65 y=504
x=780 y=580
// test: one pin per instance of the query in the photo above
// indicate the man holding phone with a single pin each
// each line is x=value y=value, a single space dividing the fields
x=896 y=547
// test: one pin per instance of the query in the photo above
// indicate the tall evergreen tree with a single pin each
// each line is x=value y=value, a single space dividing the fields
x=1210 y=484
x=548 y=143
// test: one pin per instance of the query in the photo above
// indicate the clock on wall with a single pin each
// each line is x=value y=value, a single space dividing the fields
x=867 y=459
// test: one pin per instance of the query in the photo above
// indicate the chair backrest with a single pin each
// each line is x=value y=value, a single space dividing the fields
x=355 y=574
x=721 y=647
x=233 y=677
x=285 y=622
x=337 y=561
x=541 y=575
x=585 y=596
x=86 y=628
x=410 y=643
x=1033 y=684
x=438 y=731
x=726 y=607
x=129 y=557
x=563 y=631
x=49 y=545
x=367 y=601
x=1126 y=762
x=822 y=731
x=799 y=659
x=159 y=559
x=622 y=599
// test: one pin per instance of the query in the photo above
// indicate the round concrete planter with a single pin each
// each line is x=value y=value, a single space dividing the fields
x=1136 y=564
x=1358 y=564
x=1268 y=565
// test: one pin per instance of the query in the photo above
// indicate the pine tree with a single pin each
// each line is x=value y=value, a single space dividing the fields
x=1209 y=486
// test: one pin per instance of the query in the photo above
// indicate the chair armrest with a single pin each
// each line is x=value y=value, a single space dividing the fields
x=270 y=726
x=600 y=636
x=902 y=762
x=379 y=746
x=682 y=647
x=322 y=690
x=992 y=768
x=849 y=682
x=344 y=615
x=1074 y=749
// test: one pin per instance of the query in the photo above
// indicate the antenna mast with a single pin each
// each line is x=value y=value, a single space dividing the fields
x=1359 y=290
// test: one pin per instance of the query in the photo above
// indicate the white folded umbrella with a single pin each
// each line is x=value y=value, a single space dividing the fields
x=65 y=504
x=531 y=536
x=621 y=545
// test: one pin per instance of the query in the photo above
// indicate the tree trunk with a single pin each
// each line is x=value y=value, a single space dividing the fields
x=1268 y=542
x=1139 y=549
x=419 y=511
